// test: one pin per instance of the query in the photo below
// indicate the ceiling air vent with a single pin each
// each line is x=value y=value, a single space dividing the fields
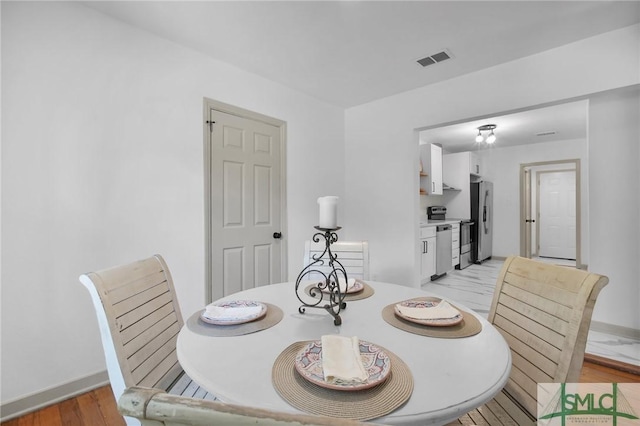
x=438 y=57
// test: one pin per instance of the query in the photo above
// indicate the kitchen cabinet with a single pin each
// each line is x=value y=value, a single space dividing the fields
x=455 y=244
x=431 y=178
x=427 y=253
x=436 y=169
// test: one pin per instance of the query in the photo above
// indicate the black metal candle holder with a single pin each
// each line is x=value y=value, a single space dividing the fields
x=328 y=284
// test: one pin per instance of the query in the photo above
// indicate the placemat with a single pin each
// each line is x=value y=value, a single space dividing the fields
x=468 y=327
x=367 y=291
x=273 y=316
x=361 y=405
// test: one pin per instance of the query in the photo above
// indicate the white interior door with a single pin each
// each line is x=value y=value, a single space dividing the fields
x=246 y=181
x=557 y=214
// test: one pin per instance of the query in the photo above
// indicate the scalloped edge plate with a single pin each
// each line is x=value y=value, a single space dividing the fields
x=441 y=322
x=308 y=364
x=240 y=320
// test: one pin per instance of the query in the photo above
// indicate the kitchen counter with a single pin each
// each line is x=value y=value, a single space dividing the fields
x=426 y=222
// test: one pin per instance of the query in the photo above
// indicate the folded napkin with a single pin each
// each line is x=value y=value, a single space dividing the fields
x=341 y=360
x=442 y=310
x=344 y=287
x=230 y=313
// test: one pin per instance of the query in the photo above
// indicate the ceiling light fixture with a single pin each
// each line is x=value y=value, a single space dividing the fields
x=491 y=137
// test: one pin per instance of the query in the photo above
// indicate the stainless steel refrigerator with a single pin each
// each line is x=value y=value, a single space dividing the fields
x=482 y=216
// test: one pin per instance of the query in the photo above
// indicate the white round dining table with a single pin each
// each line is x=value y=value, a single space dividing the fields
x=451 y=375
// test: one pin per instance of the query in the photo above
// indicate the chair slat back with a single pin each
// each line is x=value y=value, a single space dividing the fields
x=543 y=311
x=353 y=255
x=139 y=319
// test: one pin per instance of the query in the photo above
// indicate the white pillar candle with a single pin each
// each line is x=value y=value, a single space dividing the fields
x=328 y=212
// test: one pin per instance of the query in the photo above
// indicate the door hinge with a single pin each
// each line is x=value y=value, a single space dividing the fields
x=210 y=123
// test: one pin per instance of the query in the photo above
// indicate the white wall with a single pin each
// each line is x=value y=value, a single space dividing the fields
x=102 y=163
x=382 y=146
x=614 y=156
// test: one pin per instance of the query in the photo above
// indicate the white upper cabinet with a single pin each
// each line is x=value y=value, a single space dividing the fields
x=436 y=169
x=431 y=169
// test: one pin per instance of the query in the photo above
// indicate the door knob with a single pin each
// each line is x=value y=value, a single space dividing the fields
x=277 y=235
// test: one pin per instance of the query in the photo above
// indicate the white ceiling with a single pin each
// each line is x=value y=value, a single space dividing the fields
x=351 y=52
x=567 y=121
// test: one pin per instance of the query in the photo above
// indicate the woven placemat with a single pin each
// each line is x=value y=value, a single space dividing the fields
x=367 y=291
x=273 y=316
x=360 y=405
x=468 y=327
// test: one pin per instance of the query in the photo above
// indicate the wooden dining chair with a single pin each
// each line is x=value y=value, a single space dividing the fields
x=155 y=408
x=353 y=255
x=543 y=311
x=139 y=319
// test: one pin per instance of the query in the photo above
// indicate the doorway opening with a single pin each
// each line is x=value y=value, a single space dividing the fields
x=550 y=212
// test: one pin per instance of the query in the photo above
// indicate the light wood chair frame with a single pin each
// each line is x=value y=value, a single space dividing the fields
x=544 y=312
x=139 y=319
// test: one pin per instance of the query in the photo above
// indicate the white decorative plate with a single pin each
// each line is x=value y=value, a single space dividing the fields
x=355 y=288
x=430 y=303
x=241 y=319
x=308 y=363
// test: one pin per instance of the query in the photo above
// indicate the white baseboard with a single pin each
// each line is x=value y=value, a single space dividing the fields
x=617 y=330
x=41 y=399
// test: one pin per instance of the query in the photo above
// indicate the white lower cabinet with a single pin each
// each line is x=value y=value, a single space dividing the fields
x=427 y=253
x=455 y=244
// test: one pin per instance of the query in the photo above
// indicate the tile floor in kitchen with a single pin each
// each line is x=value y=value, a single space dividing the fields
x=474 y=285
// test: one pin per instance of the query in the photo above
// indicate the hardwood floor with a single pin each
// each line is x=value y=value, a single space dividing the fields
x=597 y=369
x=98 y=407
x=94 y=408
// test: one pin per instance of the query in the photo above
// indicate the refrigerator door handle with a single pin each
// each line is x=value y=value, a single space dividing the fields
x=486 y=228
x=484 y=212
